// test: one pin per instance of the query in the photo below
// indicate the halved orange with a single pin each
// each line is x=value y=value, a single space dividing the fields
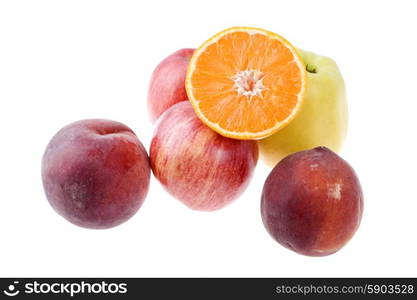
x=246 y=83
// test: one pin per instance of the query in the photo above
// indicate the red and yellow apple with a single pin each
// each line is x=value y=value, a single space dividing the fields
x=201 y=168
x=167 y=85
x=95 y=173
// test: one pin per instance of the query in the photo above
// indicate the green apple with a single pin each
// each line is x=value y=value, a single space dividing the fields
x=322 y=120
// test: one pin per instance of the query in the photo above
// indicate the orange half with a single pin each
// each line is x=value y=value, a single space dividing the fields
x=246 y=83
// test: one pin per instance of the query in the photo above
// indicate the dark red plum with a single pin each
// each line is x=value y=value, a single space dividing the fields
x=96 y=173
x=312 y=202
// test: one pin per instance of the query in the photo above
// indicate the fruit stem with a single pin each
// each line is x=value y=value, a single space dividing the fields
x=311 y=69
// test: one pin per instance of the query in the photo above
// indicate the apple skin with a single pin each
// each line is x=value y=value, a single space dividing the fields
x=312 y=202
x=167 y=85
x=95 y=173
x=322 y=119
x=199 y=167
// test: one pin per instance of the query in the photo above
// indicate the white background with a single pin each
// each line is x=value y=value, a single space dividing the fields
x=61 y=61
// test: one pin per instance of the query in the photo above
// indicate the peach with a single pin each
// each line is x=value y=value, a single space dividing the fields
x=312 y=202
x=167 y=85
x=95 y=173
x=201 y=168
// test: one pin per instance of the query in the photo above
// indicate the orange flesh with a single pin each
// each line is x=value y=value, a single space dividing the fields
x=213 y=82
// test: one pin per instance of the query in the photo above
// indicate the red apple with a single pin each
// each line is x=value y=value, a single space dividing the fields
x=167 y=85
x=95 y=173
x=312 y=202
x=201 y=168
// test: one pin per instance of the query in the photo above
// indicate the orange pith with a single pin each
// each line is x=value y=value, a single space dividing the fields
x=246 y=83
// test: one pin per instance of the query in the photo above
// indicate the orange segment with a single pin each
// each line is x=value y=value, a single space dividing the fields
x=246 y=83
